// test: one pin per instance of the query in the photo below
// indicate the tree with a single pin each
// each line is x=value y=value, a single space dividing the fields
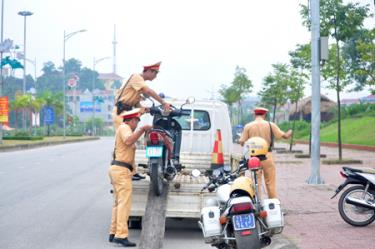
x=51 y=79
x=53 y=100
x=238 y=89
x=300 y=58
x=243 y=86
x=36 y=106
x=275 y=87
x=86 y=76
x=360 y=54
x=72 y=66
x=296 y=86
x=23 y=102
x=12 y=85
x=229 y=96
x=340 y=22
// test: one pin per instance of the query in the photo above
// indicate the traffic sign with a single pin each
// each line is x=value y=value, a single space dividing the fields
x=49 y=115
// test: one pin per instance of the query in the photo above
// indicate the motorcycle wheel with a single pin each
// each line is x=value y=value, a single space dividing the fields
x=355 y=215
x=157 y=175
x=247 y=241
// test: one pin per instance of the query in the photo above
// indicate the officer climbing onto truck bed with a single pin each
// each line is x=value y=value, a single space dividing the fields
x=266 y=130
x=129 y=94
x=121 y=171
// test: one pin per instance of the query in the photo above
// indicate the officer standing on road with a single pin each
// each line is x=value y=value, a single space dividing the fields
x=129 y=94
x=121 y=172
x=266 y=130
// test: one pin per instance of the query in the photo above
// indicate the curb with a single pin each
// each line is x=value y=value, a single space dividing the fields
x=43 y=144
x=346 y=146
x=280 y=241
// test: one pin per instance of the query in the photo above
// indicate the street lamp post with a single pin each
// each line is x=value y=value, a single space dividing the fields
x=66 y=37
x=24 y=14
x=1 y=67
x=93 y=87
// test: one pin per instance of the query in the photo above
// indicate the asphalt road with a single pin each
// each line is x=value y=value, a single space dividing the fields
x=58 y=197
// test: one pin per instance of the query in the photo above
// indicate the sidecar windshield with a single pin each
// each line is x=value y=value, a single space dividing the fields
x=201 y=121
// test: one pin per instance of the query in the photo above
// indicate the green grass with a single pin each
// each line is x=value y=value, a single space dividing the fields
x=359 y=131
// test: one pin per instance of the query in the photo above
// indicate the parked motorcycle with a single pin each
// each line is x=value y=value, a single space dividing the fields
x=357 y=203
x=163 y=144
x=237 y=218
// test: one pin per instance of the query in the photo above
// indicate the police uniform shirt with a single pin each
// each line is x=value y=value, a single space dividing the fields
x=260 y=128
x=132 y=92
x=124 y=153
x=130 y=96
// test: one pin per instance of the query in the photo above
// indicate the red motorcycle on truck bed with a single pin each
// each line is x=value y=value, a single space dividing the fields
x=163 y=144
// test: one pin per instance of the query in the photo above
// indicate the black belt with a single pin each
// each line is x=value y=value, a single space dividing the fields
x=122 y=164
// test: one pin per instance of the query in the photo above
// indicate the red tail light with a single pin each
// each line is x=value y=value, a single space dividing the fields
x=343 y=174
x=253 y=163
x=246 y=232
x=154 y=137
x=242 y=207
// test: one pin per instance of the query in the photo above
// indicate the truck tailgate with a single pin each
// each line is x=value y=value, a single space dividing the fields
x=184 y=199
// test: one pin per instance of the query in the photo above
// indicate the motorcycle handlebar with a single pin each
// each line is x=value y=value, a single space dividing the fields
x=157 y=110
x=223 y=179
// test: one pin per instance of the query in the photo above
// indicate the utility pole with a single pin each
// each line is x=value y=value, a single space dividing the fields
x=114 y=49
x=1 y=67
x=24 y=14
x=315 y=99
x=95 y=61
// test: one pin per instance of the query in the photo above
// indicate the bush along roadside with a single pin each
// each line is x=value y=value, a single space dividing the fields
x=32 y=138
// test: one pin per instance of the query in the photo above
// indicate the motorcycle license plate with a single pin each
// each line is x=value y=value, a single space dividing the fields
x=154 y=151
x=243 y=221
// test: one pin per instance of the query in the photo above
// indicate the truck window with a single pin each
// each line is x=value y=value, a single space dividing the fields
x=201 y=121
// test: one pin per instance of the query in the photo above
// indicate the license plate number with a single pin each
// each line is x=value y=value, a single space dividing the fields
x=243 y=221
x=154 y=151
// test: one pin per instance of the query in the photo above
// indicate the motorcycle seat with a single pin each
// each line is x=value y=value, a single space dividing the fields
x=365 y=170
x=163 y=131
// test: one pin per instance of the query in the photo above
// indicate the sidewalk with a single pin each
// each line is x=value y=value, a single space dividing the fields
x=312 y=219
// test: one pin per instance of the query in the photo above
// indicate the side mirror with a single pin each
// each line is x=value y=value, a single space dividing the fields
x=190 y=100
x=195 y=173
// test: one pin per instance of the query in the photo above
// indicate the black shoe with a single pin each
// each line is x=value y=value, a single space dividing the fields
x=111 y=236
x=125 y=242
x=139 y=176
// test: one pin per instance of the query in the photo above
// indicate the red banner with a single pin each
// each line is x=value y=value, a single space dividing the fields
x=4 y=109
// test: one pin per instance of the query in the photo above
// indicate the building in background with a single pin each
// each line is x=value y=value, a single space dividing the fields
x=369 y=99
x=303 y=111
x=110 y=79
x=348 y=102
x=81 y=104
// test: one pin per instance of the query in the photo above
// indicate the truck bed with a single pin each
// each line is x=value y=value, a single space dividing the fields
x=184 y=199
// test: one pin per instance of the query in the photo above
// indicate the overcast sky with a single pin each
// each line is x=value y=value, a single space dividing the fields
x=200 y=42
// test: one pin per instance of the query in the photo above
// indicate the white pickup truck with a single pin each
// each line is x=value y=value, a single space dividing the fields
x=198 y=136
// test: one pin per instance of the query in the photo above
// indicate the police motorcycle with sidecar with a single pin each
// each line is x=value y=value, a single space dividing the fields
x=238 y=218
x=163 y=143
x=357 y=203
